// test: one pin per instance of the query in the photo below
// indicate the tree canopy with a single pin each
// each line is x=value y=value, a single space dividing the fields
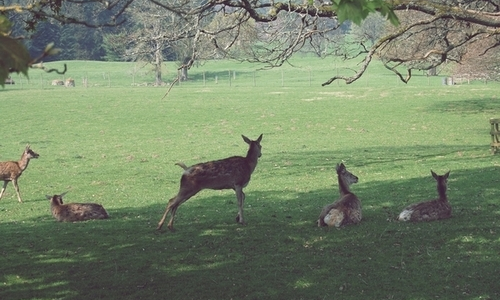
x=419 y=34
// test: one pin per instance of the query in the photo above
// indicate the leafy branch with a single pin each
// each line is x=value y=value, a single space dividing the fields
x=15 y=58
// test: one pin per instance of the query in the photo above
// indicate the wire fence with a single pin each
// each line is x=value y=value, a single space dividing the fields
x=214 y=78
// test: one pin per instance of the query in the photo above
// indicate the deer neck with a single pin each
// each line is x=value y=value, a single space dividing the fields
x=252 y=157
x=343 y=186
x=23 y=163
x=441 y=188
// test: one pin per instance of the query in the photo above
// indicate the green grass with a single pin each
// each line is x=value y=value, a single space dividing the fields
x=117 y=146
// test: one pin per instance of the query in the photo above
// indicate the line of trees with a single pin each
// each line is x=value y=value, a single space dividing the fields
x=405 y=34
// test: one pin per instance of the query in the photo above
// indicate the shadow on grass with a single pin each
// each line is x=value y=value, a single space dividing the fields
x=301 y=162
x=472 y=106
x=280 y=254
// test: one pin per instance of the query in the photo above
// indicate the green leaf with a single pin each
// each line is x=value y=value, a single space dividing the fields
x=358 y=10
x=353 y=11
x=5 y=25
x=386 y=10
x=14 y=57
x=391 y=16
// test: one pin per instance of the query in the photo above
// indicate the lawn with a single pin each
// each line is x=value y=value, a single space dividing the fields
x=117 y=145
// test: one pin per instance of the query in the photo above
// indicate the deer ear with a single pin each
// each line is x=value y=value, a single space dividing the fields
x=434 y=174
x=247 y=140
x=260 y=138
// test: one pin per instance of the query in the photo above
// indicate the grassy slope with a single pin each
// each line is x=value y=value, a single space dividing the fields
x=117 y=146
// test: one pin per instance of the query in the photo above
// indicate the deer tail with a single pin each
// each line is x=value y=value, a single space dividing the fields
x=182 y=165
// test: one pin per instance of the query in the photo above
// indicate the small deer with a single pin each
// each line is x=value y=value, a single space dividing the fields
x=229 y=173
x=12 y=170
x=347 y=209
x=431 y=210
x=73 y=212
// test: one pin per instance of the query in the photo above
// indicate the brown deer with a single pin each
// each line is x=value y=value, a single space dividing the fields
x=347 y=209
x=229 y=173
x=73 y=212
x=431 y=210
x=12 y=170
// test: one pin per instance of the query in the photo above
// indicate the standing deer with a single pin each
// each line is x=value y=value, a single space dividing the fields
x=431 y=210
x=12 y=170
x=229 y=173
x=347 y=209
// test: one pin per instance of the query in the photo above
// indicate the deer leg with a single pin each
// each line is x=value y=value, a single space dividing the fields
x=16 y=187
x=173 y=210
x=241 y=200
x=169 y=208
x=3 y=188
x=335 y=217
x=355 y=216
x=172 y=206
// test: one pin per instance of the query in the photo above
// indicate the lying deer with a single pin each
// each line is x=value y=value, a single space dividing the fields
x=431 y=210
x=73 y=212
x=229 y=173
x=12 y=170
x=347 y=209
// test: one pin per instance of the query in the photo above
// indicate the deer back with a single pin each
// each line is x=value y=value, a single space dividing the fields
x=9 y=170
x=225 y=173
x=429 y=210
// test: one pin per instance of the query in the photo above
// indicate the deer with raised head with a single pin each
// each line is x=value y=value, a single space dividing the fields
x=73 y=212
x=12 y=170
x=347 y=209
x=229 y=173
x=431 y=210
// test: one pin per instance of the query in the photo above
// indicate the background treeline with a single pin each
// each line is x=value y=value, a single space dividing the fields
x=75 y=40
x=142 y=24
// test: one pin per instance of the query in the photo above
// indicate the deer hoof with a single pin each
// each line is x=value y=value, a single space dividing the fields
x=240 y=220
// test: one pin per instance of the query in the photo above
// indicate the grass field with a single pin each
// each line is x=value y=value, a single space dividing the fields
x=117 y=146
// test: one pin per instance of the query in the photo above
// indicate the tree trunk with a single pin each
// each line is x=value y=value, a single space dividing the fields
x=157 y=64
x=183 y=74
